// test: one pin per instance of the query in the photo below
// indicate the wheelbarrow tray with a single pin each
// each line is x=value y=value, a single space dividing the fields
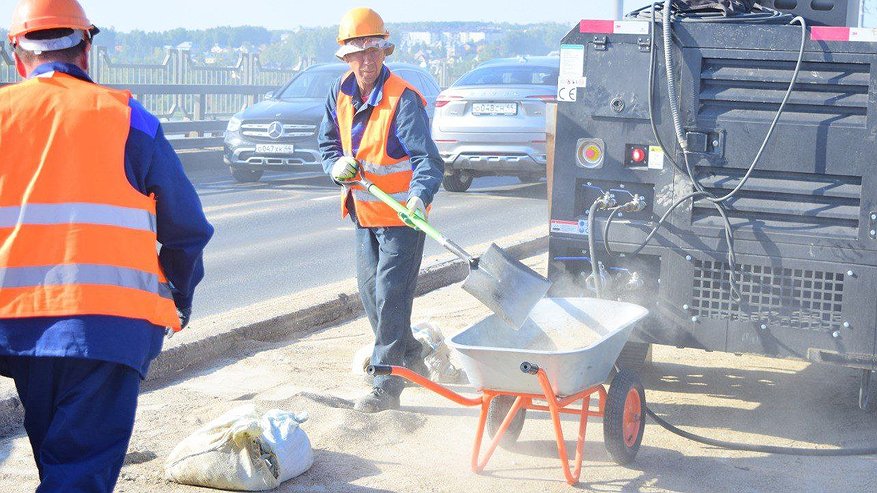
x=575 y=340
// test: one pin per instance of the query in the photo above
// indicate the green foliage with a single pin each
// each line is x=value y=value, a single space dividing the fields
x=306 y=46
x=148 y=47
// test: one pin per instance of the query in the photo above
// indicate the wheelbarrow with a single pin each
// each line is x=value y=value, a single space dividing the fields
x=556 y=362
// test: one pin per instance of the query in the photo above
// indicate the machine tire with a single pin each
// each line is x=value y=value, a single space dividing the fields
x=633 y=356
x=625 y=417
x=457 y=181
x=499 y=408
x=533 y=178
x=243 y=175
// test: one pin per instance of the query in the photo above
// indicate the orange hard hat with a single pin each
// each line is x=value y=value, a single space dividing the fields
x=361 y=22
x=39 y=15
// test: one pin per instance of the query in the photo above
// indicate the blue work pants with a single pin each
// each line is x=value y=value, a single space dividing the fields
x=387 y=264
x=78 y=415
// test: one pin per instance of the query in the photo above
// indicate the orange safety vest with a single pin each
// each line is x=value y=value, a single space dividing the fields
x=391 y=175
x=76 y=238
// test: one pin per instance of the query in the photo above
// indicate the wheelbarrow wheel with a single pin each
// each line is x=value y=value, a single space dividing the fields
x=496 y=413
x=624 y=421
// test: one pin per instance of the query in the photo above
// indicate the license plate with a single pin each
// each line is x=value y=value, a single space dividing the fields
x=275 y=148
x=494 y=108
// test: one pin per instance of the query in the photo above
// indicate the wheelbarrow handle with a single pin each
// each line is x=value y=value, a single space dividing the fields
x=420 y=223
x=402 y=372
x=379 y=370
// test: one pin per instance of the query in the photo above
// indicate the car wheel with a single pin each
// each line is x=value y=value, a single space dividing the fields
x=457 y=181
x=243 y=175
x=531 y=178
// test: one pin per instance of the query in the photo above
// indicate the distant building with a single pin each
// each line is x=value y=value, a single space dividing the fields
x=471 y=37
x=417 y=37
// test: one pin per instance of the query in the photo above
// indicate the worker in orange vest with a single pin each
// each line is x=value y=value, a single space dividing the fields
x=376 y=125
x=89 y=186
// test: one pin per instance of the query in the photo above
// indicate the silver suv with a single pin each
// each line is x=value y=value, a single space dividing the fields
x=492 y=120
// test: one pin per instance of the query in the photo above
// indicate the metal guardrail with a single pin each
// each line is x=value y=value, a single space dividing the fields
x=194 y=99
x=189 y=135
x=202 y=129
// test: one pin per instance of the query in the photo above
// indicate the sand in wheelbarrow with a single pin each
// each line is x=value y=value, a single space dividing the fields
x=549 y=328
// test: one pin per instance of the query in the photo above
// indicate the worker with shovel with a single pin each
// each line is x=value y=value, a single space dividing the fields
x=88 y=187
x=376 y=128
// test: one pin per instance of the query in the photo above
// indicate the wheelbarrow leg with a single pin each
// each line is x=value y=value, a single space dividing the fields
x=572 y=477
x=479 y=465
x=554 y=406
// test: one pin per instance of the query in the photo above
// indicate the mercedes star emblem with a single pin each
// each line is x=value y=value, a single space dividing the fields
x=275 y=130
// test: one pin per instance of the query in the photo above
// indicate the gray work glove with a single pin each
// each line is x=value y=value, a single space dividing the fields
x=415 y=207
x=344 y=170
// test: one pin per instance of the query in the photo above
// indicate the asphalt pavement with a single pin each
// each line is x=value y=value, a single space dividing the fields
x=284 y=233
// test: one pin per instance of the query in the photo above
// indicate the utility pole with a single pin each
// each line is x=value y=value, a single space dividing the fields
x=618 y=9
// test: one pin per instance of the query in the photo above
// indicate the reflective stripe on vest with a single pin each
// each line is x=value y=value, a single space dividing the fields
x=106 y=275
x=391 y=175
x=383 y=170
x=82 y=213
x=360 y=195
x=76 y=238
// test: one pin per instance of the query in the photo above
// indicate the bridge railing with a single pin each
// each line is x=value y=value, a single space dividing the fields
x=194 y=99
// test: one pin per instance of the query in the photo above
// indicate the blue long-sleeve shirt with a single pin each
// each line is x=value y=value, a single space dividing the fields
x=152 y=167
x=409 y=133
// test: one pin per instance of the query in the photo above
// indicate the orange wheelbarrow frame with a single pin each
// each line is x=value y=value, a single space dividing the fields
x=556 y=406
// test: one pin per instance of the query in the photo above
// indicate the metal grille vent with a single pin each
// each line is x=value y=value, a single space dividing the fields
x=824 y=90
x=784 y=202
x=801 y=299
x=290 y=130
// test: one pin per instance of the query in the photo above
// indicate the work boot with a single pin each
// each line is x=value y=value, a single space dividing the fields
x=376 y=401
x=418 y=366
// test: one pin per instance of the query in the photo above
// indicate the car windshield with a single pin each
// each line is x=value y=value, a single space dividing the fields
x=310 y=84
x=510 y=74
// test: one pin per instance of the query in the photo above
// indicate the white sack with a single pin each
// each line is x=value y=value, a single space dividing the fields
x=240 y=451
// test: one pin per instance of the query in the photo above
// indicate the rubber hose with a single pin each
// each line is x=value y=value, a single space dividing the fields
x=767 y=449
x=595 y=266
x=667 y=32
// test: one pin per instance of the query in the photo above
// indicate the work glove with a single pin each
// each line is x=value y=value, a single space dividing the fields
x=415 y=207
x=344 y=170
x=185 y=314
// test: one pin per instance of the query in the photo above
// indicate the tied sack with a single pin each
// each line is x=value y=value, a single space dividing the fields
x=242 y=451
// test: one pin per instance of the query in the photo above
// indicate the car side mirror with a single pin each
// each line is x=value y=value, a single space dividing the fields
x=268 y=95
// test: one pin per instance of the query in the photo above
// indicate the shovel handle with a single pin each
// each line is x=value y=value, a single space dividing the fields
x=418 y=221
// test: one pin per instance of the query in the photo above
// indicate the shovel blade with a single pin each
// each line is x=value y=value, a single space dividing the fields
x=506 y=286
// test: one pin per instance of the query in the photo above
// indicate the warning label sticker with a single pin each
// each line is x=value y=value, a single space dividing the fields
x=656 y=157
x=630 y=27
x=572 y=72
x=579 y=227
x=863 y=34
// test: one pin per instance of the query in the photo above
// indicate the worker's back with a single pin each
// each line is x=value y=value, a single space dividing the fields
x=76 y=238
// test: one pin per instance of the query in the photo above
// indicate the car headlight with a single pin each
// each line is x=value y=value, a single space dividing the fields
x=234 y=124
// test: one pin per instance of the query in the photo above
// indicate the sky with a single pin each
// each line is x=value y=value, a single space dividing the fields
x=160 y=15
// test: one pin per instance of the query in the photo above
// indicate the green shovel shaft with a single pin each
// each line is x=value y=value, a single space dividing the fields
x=418 y=221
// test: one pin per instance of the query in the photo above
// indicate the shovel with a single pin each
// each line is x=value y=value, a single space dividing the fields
x=503 y=284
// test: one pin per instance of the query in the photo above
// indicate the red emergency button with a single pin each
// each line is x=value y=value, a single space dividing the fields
x=637 y=155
